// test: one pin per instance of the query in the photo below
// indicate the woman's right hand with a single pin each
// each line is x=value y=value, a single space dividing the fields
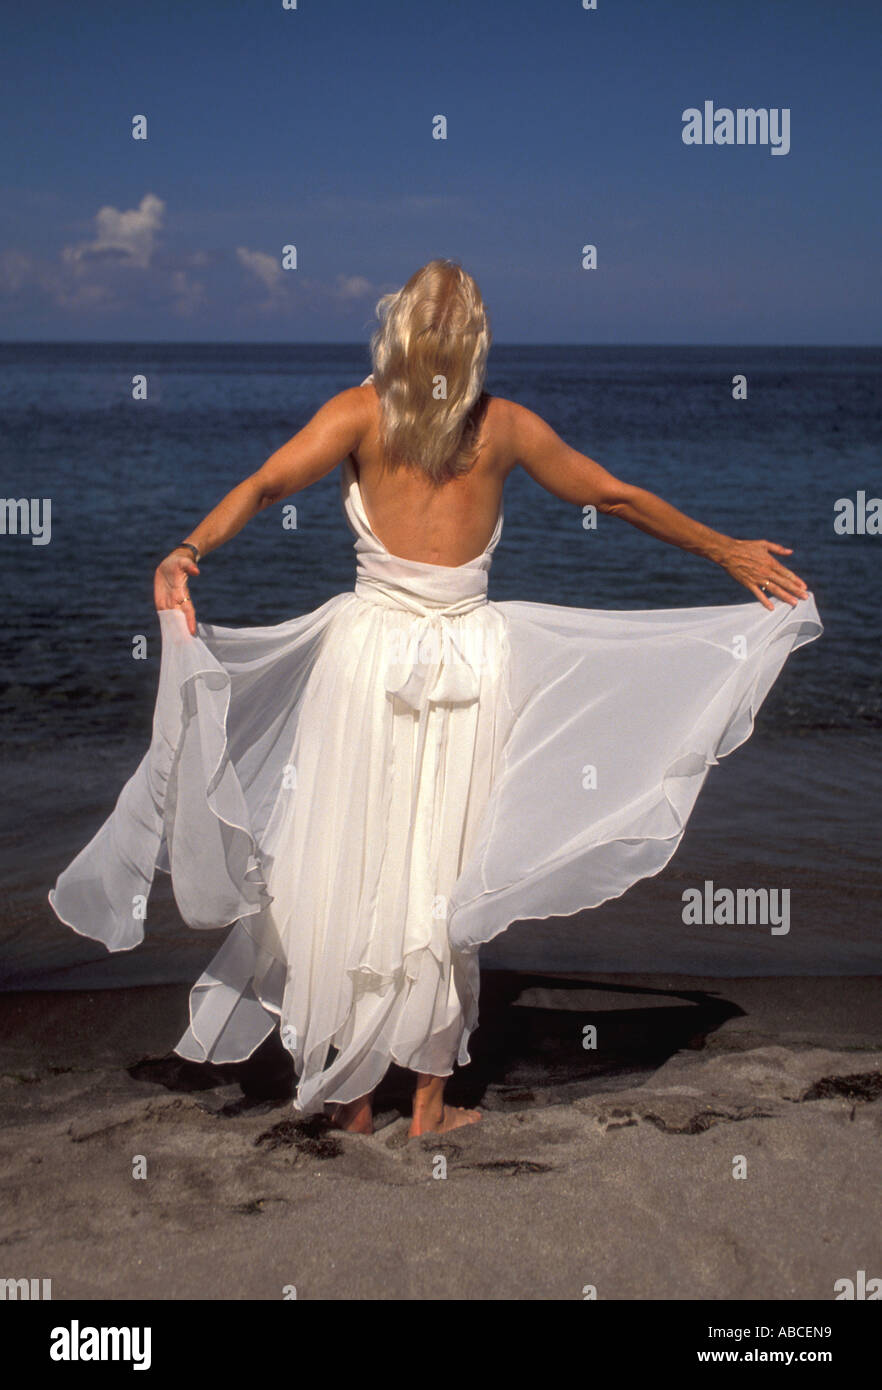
x=170 y=585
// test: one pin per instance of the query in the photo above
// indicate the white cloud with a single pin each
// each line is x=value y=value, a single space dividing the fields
x=189 y=294
x=266 y=268
x=86 y=296
x=284 y=286
x=353 y=287
x=16 y=270
x=127 y=267
x=126 y=237
x=20 y=271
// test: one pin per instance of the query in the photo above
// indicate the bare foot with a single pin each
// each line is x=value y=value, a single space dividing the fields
x=356 y=1117
x=451 y=1117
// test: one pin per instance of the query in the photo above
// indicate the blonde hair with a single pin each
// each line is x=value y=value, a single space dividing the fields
x=435 y=326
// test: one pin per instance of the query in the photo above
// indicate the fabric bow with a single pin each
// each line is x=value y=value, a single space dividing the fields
x=427 y=664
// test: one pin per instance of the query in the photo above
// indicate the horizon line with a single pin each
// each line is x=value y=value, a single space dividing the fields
x=362 y=344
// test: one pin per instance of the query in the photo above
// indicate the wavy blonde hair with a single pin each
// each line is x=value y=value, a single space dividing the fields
x=435 y=326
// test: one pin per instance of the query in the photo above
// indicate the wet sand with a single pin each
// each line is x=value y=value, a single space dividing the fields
x=610 y=1168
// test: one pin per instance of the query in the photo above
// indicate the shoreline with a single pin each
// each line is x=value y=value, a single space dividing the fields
x=826 y=854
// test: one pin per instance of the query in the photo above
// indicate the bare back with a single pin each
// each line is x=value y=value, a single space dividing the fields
x=447 y=523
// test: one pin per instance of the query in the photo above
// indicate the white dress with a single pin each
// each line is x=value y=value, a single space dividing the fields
x=369 y=792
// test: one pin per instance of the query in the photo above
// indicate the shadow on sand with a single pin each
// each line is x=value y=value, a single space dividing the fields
x=530 y=1048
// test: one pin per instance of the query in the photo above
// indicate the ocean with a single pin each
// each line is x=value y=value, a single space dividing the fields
x=127 y=478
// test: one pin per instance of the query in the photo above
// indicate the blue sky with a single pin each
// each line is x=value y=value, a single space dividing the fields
x=313 y=127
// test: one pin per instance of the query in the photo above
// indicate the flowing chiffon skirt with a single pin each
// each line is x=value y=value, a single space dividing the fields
x=367 y=793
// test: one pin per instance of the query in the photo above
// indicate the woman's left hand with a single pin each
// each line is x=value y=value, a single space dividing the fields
x=754 y=565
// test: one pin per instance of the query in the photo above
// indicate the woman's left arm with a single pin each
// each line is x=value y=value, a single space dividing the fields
x=575 y=477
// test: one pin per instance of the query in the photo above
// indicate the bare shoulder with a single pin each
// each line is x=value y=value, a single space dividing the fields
x=363 y=400
x=354 y=399
x=521 y=432
x=532 y=444
x=350 y=412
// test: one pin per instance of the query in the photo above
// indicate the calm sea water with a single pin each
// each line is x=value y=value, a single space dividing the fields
x=127 y=479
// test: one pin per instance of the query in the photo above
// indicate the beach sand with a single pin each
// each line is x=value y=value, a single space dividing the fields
x=610 y=1168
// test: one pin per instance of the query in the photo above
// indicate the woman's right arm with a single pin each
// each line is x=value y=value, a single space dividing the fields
x=222 y=523
x=333 y=432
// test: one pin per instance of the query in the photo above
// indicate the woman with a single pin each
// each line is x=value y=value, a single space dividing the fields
x=371 y=791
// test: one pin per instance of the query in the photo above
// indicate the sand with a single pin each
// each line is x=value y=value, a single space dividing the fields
x=610 y=1168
